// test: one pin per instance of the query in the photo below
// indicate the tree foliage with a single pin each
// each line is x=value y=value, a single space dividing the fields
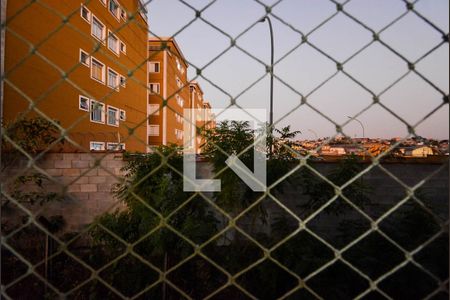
x=27 y=136
x=30 y=135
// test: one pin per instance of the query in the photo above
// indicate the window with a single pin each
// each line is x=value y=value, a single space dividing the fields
x=97 y=70
x=84 y=58
x=123 y=48
x=153 y=67
x=115 y=146
x=153 y=109
x=113 y=8
x=180 y=101
x=179 y=134
x=123 y=81
x=154 y=88
x=98 y=30
x=179 y=118
x=156 y=48
x=85 y=13
x=103 y=2
x=179 y=83
x=122 y=115
x=179 y=67
x=113 y=43
x=123 y=14
x=97 y=112
x=113 y=79
x=113 y=116
x=97 y=146
x=83 y=103
x=153 y=130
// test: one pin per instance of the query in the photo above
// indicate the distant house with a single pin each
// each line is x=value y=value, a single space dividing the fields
x=443 y=147
x=332 y=150
x=417 y=151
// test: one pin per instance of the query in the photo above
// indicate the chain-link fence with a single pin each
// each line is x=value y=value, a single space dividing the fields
x=376 y=228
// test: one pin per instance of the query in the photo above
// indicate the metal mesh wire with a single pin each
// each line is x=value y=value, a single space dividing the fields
x=301 y=283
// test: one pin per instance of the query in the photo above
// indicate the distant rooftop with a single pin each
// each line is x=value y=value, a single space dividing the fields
x=169 y=40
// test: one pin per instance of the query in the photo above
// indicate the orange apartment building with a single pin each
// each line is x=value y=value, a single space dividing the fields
x=202 y=113
x=167 y=82
x=87 y=70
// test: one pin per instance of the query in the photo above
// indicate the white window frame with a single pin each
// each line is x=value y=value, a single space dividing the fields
x=88 y=64
x=103 y=38
x=117 y=83
x=122 y=115
x=178 y=64
x=117 y=50
x=103 y=70
x=151 y=68
x=179 y=118
x=87 y=101
x=153 y=109
x=117 y=116
x=122 y=47
x=92 y=103
x=179 y=134
x=180 y=101
x=103 y=2
x=179 y=82
x=117 y=14
x=152 y=133
x=88 y=20
x=115 y=146
x=101 y=144
x=123 y=13
x=122 y=81
x=152 y=91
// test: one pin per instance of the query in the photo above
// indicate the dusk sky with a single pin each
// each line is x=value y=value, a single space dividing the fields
x=305 y=68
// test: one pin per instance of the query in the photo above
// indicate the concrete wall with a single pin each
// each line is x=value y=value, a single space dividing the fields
x=87 y=187
x=384 y=193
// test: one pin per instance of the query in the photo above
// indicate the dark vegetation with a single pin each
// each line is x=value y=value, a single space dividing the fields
x=163 y=230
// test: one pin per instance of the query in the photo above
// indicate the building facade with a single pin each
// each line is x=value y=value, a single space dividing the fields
x=82 y=65
x=170 y=94
x=168 y=84
x=201 y=113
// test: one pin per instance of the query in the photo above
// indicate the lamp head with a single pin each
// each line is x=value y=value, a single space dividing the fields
x=263 y=19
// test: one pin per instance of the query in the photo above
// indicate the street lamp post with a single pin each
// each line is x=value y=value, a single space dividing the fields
x=271 y=78
x=360 y=123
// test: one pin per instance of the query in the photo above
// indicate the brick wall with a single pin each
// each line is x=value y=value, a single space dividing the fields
x=84 y=179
